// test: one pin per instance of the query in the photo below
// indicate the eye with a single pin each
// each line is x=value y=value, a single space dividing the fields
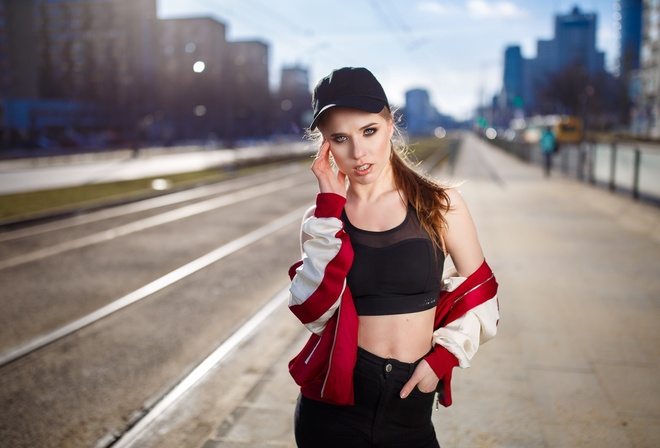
x=369 y=131
x=340 y=139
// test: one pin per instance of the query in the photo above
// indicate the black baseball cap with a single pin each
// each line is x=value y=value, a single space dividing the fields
x=354 y=87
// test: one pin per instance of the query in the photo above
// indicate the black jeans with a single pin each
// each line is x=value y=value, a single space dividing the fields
x=379 y=417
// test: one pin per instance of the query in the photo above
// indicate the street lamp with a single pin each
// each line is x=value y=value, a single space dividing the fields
x=199 y=66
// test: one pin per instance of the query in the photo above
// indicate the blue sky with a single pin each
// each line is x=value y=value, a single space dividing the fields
x=452 y=48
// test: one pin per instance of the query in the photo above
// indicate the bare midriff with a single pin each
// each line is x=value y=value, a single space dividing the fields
x=405 y=337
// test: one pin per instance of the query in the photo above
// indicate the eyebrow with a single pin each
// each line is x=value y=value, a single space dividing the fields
x=370 y=125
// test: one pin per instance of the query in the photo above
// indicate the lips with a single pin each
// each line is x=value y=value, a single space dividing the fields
x=363 y=170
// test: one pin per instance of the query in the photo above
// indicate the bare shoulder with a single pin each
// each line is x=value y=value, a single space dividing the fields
x=461 y=235
x=456 y=201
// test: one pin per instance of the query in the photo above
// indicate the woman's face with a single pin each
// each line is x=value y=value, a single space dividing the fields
x=359 y=142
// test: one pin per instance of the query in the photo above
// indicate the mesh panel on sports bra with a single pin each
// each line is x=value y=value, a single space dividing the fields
x=397 y=271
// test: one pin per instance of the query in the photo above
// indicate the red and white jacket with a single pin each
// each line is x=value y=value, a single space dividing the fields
x=467 y=313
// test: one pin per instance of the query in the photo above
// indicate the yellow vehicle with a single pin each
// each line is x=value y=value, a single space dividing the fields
x=568 y=129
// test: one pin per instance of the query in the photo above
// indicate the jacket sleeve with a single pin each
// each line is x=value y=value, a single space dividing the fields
x=471 y=319
x=463 y=336
x=319 y=279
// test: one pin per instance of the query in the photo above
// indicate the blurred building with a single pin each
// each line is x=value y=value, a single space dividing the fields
x=111 y=68
x=73 y=63
x=210 y=88
x=99 y=52
x=421 y=117
x=294 y=100
x=192 y=81
x=251 y=101
x=645 y=120
x=419 y=114
x=513 y=77
x=574 y=43
x=629 y=23
x=18 y=46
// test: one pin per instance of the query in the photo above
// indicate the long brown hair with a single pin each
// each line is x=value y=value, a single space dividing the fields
x=428 y=197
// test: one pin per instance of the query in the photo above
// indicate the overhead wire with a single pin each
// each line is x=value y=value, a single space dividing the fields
x=290 y=32
x=408 y=42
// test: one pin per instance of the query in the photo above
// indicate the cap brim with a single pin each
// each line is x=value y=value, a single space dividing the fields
x=363 y=103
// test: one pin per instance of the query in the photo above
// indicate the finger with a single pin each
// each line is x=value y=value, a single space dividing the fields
x=324 y=150
x=323 y=154
x=408 y=387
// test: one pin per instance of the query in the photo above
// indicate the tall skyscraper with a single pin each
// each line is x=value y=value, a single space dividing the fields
x=574 y=43
x=513 y=76
x=575 y=40
x=629 y=24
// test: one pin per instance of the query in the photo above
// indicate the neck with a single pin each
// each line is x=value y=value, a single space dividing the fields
x=372 y=192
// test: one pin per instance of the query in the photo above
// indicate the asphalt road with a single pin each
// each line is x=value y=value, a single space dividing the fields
x=84 y=387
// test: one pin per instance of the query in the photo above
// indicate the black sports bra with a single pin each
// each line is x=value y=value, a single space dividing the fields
x=397 y=271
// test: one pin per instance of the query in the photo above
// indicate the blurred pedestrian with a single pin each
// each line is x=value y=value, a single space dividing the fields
x=386 y=330
x=548 y=144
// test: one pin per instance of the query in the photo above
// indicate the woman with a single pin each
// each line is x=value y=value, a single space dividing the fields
x=384 y=335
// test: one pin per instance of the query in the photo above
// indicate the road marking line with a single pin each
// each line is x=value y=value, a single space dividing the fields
x=188 y=382
x=153 y=287
x=149 y=204
x=152 y=221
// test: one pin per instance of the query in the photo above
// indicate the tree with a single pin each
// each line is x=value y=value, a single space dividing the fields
x=599 y=99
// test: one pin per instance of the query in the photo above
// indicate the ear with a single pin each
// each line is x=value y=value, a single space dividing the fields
x=390 y=128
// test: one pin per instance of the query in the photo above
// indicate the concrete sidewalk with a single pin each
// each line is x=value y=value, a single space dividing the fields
x=576 y=360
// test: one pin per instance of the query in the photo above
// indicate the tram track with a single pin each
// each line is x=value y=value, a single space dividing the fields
x=146 y=223
x=145 y=291
x=169 y=199
x=169 y=399
x=39 y=374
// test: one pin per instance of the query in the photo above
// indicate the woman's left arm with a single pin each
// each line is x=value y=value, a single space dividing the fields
x=458 y=341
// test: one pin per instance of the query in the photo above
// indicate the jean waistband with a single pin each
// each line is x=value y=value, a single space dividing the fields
x=388 y=365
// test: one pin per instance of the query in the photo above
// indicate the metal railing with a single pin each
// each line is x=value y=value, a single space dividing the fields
x=623 y=166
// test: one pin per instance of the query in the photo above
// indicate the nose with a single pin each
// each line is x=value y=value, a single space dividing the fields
x=358 y=150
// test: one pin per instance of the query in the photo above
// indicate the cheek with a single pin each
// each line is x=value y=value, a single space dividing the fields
x=343 y=166
x=339 y=158
x=385 y=147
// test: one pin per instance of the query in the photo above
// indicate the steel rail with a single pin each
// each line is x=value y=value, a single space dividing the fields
x=152 y=221
x=147 y=290
x=132 y=434
x=151 y=203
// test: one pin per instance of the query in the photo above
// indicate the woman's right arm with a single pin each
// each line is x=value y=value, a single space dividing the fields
x=319 y=279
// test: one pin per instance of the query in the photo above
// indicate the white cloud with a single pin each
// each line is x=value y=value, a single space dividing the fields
x=433 y=7
x=495 y=10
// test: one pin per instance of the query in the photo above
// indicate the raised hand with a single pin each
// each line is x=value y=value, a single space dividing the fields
x=329 y=182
